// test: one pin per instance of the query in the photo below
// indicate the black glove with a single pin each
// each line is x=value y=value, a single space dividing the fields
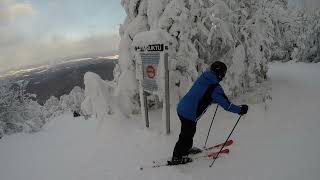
x=244 y=109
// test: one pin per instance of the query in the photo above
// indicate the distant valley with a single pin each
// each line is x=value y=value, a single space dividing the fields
x=57 y=80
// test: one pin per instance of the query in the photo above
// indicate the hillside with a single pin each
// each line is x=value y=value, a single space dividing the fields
x=57 y=80
x=279 y=142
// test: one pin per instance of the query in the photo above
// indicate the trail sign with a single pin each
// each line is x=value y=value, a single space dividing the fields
x=151 y=56
x=150 y=62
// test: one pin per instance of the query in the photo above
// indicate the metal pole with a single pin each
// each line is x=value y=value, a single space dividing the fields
x=167 y=93
x=145 y=99
x=205 y=144
x=144 y=106
x=225 y=142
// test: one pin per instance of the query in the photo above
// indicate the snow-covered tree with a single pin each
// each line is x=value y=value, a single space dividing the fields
x=99 y=100
x=296 y=33
x=18 y=111
x=285 y=29
x=244 y=34
x=308 y=42
x=72 y=101
x=53 y=107
x=238 y=33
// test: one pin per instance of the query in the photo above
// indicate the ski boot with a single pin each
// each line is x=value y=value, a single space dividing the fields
x=179 y=160
x=194 y=150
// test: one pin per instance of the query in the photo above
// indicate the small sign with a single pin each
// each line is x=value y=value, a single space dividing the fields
x=151 y=48
x=151 y=72
x=150 y=62
x=148 y=59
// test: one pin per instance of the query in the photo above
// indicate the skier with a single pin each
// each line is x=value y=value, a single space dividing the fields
x=205 y=91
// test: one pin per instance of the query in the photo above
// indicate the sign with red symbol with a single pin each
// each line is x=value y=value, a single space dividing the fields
x=151 y=72
x=150 y=63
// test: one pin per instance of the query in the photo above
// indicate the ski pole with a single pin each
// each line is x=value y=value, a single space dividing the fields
x=205 y=144
x=225 y=141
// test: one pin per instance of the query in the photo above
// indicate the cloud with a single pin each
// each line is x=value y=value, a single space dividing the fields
x=312 y=3
x=305 y=3
x=10 y=11
x=52 y=32
x=17 y=50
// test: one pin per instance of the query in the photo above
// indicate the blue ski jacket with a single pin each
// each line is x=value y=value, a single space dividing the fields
x=205 y=91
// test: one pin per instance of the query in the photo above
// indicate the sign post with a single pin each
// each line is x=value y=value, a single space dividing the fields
x=166 y=103
x=144 y=103
x=149 y=59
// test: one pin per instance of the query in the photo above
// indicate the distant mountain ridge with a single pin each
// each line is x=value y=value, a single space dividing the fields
x=60 y=78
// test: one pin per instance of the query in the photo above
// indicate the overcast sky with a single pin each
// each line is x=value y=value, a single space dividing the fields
x=305 y=3
x=35 y=31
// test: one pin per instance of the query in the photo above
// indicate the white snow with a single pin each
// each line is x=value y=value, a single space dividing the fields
x=149 y=37
x=281 y=143
x=98 y=96
x=75 y=60
x=113 y=57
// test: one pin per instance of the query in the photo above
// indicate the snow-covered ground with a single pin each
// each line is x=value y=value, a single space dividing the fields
x=281 y=143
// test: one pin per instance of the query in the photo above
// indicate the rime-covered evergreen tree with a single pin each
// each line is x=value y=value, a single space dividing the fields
x=18 y=111
x=72 y=101
x=308 y=42
x=237 y=32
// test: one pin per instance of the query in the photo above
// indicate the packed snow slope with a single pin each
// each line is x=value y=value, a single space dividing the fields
x=275 y=142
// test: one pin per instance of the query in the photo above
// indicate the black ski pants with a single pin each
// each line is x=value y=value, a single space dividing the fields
x=184 y=144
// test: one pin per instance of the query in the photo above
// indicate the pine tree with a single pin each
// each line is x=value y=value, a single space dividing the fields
x=240 y=33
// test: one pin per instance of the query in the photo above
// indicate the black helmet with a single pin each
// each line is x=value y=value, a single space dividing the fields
x=219 y=68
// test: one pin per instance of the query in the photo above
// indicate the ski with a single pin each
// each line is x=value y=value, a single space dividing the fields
x=228 y=143
x=215 y=154
x=195 y=157
x=203 y=152
x=206 y=149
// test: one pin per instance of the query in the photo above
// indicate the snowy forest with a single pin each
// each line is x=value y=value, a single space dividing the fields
x=245 y=34
x=98 y=130
x=20 y=112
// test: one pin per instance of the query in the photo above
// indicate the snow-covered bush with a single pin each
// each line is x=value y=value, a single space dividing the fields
x=53 y=107
x=72 y=101
x=18 y=111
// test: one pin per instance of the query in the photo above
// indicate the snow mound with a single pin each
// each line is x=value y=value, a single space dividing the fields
x=98 y=96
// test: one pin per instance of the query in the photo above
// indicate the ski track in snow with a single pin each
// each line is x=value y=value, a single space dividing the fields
x=281 y=143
